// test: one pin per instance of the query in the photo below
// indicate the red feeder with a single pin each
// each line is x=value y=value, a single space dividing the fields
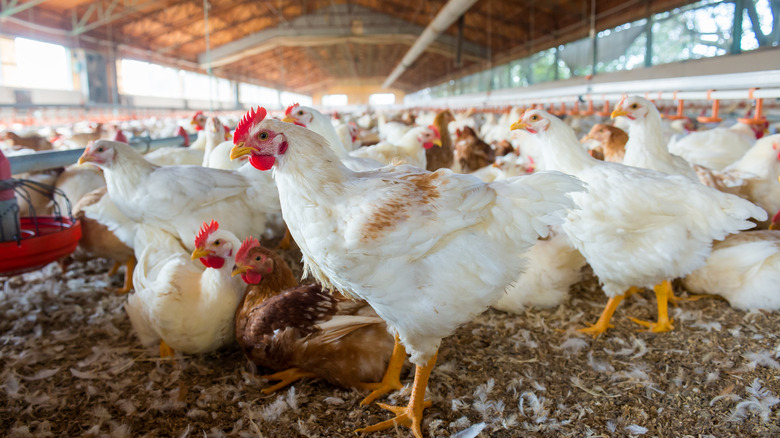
x=45 y=239
x=33 y=241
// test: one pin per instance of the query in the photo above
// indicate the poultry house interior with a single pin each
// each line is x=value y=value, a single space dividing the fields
x=444 y=218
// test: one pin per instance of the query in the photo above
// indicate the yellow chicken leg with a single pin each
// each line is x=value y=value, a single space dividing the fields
x=392 y=378
x=286 y=241
x=411 y=415
x=166 y=350
x=114 y=269
x=287 y=377
x=128 y=286
x=603 y=324
x=662 y=292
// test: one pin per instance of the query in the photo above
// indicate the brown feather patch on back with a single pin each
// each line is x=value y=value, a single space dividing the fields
x=420 y=190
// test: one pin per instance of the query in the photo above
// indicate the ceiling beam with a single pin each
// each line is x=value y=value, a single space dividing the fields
x=106 y=12
x=365 y=26
x=13 y=7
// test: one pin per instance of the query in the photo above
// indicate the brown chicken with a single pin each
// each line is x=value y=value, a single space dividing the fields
x=98 y=241
x=503 y=147
x=443 y=156
x=471 y=152
x=31 y=141
x=305 y=331
x=613 y=142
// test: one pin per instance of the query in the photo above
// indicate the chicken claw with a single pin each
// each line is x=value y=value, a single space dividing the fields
x=392 y=378
x=411 y=415
x=287 y=377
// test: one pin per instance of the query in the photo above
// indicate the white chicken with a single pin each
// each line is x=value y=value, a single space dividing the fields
x=428 y=251
x=217 y=152
x=178 y=304
x=75 y=182
x=759 y=170
x=316 y=121
x=714 y=148
x=410 y=149
x=178 y=199
x=554 y=265
x=744 y=269
x=646 y=147
x=637 y=227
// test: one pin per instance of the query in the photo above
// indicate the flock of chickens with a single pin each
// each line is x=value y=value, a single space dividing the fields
x=406 y=239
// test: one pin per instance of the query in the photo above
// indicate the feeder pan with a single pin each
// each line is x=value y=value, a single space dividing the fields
x=32 y=242
x=44 y=239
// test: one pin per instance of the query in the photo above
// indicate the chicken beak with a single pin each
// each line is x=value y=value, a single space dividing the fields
x=437 y=142
x=288 y=119
x=199 y=253
x=518 y=125
x=239 y=150
x=238 y=270
x=618 y=112
x=193 y=122
x=85 y=157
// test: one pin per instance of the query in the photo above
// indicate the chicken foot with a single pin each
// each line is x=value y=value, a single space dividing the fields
x=287 y=377
x=392 y=378
x=663 y=291
x=411 y=415
x=603 y=324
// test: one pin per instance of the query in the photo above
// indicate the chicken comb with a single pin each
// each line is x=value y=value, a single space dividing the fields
x=249 y=243
x=205 y=232
x=435 y=131
x=250 y=118
x=291 y=108
x=199 y=113
x=776 y=218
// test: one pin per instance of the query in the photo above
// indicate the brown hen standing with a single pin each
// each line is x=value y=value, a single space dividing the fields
x=443 y=156
x=471 y=152
x=306 y=331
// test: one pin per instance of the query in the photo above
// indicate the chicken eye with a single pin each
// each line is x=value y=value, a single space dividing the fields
x=101 y=149
x=217 y=242
x=263 y=135
x=534 y=118
x=257 y=258
x=300 y=112
x=634 y=105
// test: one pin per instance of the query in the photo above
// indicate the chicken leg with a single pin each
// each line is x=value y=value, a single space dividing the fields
x=166 y=350
x=603 y=324
x=411 y=415
x=392 y=378
x=128 y=286
x=663 y=291
x=287 y=377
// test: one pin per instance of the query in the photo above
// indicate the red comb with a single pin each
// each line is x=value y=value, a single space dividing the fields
x=249 y=243
x=205 y=232
x=250 y=118
x=199 y=113
x=435 y=131
x=776 y=218
x=290 y=108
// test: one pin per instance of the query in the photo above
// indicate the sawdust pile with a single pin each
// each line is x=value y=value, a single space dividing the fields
x=72 y=367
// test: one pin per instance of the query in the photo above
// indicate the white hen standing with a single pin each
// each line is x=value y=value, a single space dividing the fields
x=636 y=227
x=646 y=147
x=428 y=251
x=178 y=199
